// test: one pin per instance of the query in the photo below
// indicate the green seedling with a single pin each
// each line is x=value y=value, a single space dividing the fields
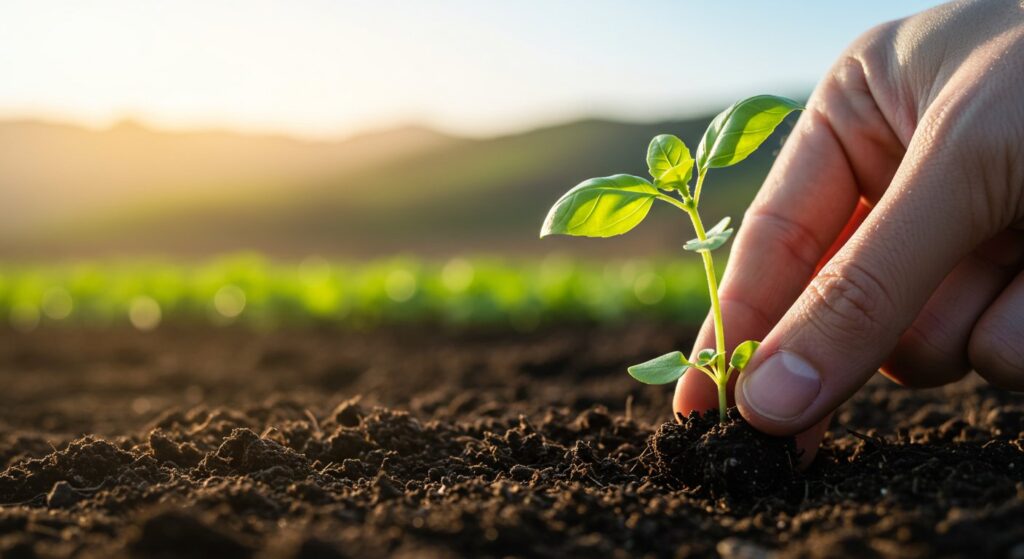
x=609 y=206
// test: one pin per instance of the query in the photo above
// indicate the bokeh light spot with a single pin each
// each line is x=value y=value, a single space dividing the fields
x=141 y=405
x=400 y=286
x=229 y=301
x=57 y=303
x=457 y=275
x=649 y=288
x=144 y=313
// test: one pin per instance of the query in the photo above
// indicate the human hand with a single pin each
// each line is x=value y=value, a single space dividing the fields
x=890 y=231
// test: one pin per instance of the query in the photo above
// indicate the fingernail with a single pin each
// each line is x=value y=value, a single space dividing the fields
x=782 y=387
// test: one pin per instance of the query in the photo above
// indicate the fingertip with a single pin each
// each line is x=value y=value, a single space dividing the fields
x=808 y=442
x=776 y=396
x=694 y=392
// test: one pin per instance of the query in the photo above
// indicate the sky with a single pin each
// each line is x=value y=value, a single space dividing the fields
x=321 y=68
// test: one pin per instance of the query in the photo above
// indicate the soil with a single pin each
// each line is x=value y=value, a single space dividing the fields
x=424 y=442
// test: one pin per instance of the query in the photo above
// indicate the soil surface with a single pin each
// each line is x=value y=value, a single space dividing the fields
x=421 y=442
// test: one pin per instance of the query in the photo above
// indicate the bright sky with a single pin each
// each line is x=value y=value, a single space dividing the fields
x=331 y=67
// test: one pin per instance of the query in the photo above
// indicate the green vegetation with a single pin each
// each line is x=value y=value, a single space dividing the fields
x=256 y=292
x=608 y=206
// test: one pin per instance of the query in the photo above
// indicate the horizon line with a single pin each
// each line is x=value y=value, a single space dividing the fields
x=128 y=119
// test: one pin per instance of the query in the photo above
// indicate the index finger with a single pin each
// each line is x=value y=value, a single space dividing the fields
x=841 y=150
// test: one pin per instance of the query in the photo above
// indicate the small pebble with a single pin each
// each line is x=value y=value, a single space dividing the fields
x=735 y=548
x=61 y=495
x=520 y=472
x=386 y=489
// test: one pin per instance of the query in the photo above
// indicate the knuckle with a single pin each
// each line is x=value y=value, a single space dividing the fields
x=847 y=303
x=997 y=354
x=793 y=237
x=875 y=41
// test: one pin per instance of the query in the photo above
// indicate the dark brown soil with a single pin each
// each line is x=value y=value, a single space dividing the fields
x=424 y=443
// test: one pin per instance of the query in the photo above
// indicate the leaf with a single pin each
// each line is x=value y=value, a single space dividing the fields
x=719 y=227
x=669 y=162
x=660 y=370
x=743 y=353
x=601 y=207
x=714 y=238
x=706 y=356
x=737 y=131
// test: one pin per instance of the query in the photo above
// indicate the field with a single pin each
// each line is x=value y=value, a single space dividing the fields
x=522 y=294
x=426 y=442
x=242 y=407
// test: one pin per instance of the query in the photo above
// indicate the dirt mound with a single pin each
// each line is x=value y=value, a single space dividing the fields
x=728 y=460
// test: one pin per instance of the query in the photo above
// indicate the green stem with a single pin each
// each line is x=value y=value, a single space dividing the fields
x=696 y=190
x=716 y=311
x=721 y=373
x=723 y=402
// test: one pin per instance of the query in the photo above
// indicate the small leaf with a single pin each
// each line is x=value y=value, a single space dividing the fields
x=669 y=162
x=737 y=131
x=660 y=370
x=601 y=207
x=714 y=238
x=743 y=353
x=706 y=356
x=719 y=227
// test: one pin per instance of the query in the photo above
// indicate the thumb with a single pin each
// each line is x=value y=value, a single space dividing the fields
x=851 y=315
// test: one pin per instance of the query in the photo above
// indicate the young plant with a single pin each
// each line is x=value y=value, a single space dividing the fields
x=609 y=206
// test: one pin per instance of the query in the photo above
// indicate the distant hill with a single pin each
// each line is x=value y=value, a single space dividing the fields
x=77 y=192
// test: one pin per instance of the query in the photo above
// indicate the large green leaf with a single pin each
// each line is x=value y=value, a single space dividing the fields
x=601 y=207
x=669 y=162
x=737 y=131
x=714 y=238
x=660 y=370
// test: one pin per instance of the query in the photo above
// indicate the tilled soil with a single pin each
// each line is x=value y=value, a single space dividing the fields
x=421 y=442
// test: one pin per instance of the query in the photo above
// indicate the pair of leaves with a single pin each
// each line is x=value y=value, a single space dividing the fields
x=669 y=367
x=608 y=206
x=669 y=162
x=713 y=239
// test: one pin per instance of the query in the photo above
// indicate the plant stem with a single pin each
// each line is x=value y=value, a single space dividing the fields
x=696 y=190
x=716 y=311
x=721 y=374
x=723 y=402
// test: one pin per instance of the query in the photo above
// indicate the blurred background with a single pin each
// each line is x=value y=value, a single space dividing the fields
x=369 y=161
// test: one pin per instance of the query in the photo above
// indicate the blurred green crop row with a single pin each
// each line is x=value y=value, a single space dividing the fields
x=259 y=292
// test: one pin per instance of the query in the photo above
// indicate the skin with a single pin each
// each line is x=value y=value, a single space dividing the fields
x=889 y=235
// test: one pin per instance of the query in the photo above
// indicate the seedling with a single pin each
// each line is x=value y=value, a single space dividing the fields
x=609 y=206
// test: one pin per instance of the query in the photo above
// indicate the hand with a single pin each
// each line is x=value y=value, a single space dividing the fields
x=889 y=231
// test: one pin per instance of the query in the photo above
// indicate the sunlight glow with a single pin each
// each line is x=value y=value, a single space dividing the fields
x=336 y=68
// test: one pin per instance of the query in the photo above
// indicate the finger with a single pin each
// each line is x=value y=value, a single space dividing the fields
x=808 y=442
x=997 y=344
x=808 y=199
x=933 y=351
x=842 y=153
x=851 y=315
